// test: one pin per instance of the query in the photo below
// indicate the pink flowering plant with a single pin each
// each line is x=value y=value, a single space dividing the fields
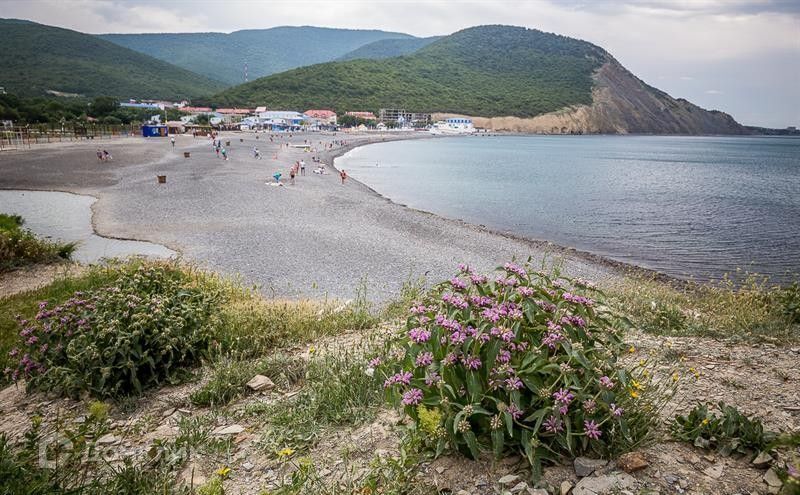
x=117 y=340
x=518 y=362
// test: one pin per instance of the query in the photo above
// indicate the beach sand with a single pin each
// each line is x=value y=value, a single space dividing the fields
x=317 y=238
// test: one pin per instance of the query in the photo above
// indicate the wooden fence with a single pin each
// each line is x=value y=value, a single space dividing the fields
x=14 y=138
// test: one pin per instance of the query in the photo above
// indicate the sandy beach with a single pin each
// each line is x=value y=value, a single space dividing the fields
x=317 y=238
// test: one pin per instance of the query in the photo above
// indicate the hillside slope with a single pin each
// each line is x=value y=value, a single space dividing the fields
x=489 y=70
x=222 y=56
x=388 y=48
x=36 y=58
x=506 y=77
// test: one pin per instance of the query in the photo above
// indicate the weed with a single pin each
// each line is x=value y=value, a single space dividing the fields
x=20 y=247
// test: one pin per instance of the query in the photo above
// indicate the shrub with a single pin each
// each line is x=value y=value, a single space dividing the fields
x=524 y=362
x=121 y=339
x=19 y=247
x=728 y=432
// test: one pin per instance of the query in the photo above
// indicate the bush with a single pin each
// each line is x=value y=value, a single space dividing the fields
x=19 y=247
x=728 y=432
x=121 y=339
x=525 y=362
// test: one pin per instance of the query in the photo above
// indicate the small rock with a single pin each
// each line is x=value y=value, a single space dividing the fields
x=439 y=469
x=107 y=439
x=632 y=461
x=606 y=483
x=537 y=491
x=167 y=412
x=228 y=430
x=714 y=471
x=325 y=472
x=771 y=478
x=709 y=458
x=248 y=466
x=585 y=466
x=508 y=479
x=762 y=460
x=684 y=484
x=519 y=487
x=670 y=479
x=260 y=383
x=566 y=487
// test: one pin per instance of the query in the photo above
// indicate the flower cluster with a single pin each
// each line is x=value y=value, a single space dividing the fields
x=521 y=350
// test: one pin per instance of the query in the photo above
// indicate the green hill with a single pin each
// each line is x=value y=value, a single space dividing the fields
x=389 y=48
x=36 y=58
x=222 y=56
x=484 y=71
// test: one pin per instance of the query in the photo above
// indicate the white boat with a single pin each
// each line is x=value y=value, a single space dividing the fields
x=455 y=125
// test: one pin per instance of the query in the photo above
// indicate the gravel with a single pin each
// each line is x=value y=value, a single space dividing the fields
x=317 y=238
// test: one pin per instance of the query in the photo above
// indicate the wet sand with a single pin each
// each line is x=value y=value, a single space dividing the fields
x=316 y=238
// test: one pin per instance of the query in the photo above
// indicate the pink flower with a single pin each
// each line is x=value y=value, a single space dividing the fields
x=419 y=335
x=375 y=362
x=592 y=429
x=472 y=363
x=412 y=397
x=606 y=382
x=514 y=411
x=513 y=383
x=553 y=424
x=525 y=291
x=424 y=359
x=458 y=284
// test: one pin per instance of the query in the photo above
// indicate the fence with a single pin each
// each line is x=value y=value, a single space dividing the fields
x=12 y=138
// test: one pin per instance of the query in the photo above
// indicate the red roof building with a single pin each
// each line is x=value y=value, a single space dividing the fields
x=324 y=117
x=363 y=115
x=196 y=109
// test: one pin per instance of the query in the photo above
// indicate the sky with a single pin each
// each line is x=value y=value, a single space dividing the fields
x=741 y=57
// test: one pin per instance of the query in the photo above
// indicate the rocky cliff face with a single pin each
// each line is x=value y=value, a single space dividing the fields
x=622 y=104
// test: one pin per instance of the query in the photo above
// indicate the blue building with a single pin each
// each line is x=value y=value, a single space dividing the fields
x=154 y=131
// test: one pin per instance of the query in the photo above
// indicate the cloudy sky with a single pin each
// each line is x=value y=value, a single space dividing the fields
x=742 y=57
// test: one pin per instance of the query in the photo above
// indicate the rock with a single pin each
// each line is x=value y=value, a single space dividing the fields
x=167 y=412
x=191 y=477
x=508 y=479
x=519 y=487
x=585 y=466
x=671 y=479
x=771 y=478
x=714 y=471
x=228 y=430
x=439 y=469
x=762 y=460
x=537 y=491
x=566 y=487
x=248 y=466
x=632 y=461
x=260 y=383
x=606 y=483
x=107 y=439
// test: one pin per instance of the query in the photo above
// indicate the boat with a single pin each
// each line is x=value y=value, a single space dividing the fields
x=455 y=125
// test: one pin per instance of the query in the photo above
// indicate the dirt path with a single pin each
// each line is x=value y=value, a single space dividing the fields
x=34 y=277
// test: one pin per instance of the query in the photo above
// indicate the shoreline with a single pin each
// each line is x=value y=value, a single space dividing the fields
x=626 y=268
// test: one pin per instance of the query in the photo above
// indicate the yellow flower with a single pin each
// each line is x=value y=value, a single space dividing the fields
x=311 y=349
x=675 y=377
x=632 y=350
x=223 y=471
x=636 y=385
x=634 y=394
x=641 y=362
x=705 y=421
x=285 y=452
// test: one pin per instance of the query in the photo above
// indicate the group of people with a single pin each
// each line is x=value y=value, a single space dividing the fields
x=103 y=155
x=217 y=146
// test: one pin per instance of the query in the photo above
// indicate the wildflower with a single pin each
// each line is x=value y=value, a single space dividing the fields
x=634 y=394
x=478 y=279
x=515 y=269
x=402 y=377
x=676 y=377
x=552 y=339
x=606 y=382
x=514 y=411
x=616 y=411
x=375 y=362
x=554 y=424
x=525 y=291
x=563 y=396
x=424 y=359
x=412 y=397
x=546 y=306
x=224 y=471
x=565 y=367
x=589 y=405
x=464 y=426
x=705 y=421
x=592 y=429
x=472 y=363
x=285 y=452
x=432 y=379
x=312 y=350
x=496 y=422
x=458 y=284
x=632 y=349
x=419 y=335
x=513 y=383
x=503 y=356
x=464 y=268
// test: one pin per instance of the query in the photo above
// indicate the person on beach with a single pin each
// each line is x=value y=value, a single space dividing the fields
x=277 y=177
x=256 y=153
x=99 y=155
x=225 y=154
x=172 y=140
x=302 y=167
x=291 y=176
x=343 y=175
x=216 y=148
x=106 y=155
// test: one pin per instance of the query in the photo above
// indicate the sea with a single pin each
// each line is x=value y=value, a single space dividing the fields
x=691 y=207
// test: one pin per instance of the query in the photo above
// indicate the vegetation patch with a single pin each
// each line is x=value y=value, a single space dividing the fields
x=20 y=247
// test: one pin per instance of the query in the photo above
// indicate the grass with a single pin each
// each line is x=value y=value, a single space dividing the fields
x=752 y=311
x=19 y=247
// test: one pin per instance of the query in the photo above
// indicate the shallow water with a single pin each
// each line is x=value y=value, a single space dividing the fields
x=696 y=207
x=68 y=218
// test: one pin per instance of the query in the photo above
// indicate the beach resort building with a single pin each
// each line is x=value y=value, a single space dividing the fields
x=321 y=118
x=404 y=118
x=281 y=120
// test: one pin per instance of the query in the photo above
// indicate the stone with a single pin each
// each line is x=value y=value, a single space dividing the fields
x=191 y=477
x=771 y=478
x=508 y=479
x=606 y=483
x=167 y=412
x=632 y=461
x=107 y=439
x=260 y=383
x=519 y=487
x=248 y=466
x=585 y=466
x=566 y=487
x=762 y=460
x=537 y=491
x=714 y=471
x=439 y=469
x=228 y=430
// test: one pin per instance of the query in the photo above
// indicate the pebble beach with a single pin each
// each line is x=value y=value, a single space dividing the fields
x=317 y=238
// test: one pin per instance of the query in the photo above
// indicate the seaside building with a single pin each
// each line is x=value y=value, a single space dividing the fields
x=362 y=115
x=233 y=115
x=281 y=120
x=321 y=118
x=133 y=104
x=404 y=118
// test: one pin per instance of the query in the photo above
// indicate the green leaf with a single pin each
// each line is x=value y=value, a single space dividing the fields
x=498 y=440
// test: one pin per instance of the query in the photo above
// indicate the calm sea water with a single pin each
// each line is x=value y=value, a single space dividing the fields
x=687 y=206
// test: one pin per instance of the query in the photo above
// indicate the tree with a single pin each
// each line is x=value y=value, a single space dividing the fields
x=103 y=105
